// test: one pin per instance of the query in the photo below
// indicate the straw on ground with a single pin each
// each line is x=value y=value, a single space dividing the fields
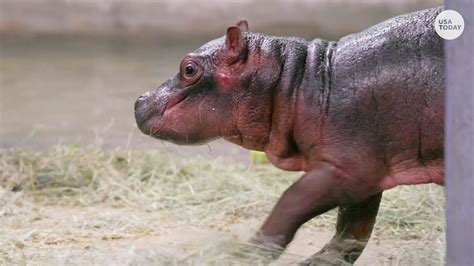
x=60 y=204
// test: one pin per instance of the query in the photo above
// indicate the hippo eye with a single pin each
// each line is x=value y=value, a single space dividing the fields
x=190 y=72
x=190 y=69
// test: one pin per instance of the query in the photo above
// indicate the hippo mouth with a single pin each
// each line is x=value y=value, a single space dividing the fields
x=175 y=101
x=162 y=117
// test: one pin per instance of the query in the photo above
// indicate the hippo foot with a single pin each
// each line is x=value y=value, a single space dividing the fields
x=253 y=252
x=260 y=248
x=337 y=252
x=322 y=260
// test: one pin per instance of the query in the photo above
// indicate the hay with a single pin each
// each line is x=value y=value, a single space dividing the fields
x=94 y=188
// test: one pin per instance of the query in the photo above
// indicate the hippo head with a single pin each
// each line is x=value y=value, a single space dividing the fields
x=220 y=91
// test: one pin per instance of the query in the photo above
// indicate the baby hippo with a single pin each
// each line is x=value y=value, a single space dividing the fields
x=358 y=116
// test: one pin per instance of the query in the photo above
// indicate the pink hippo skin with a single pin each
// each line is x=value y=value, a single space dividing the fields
x=358 y=116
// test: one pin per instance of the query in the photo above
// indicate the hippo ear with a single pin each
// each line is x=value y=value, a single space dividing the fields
x=243 y=25
x=234 y=41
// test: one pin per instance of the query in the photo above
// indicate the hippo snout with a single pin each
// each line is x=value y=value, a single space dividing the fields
x=147 y=109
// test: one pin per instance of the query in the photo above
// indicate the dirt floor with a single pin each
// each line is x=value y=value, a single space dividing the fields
x=75 y=236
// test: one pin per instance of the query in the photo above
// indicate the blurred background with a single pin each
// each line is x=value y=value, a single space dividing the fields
x=70 y=70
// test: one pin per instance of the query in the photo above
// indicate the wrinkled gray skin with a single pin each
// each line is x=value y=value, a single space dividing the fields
x=359 y=116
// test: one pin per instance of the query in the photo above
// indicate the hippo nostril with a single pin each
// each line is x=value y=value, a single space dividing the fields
x=144 y=96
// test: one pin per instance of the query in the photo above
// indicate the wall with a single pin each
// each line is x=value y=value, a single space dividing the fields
x=178 y=18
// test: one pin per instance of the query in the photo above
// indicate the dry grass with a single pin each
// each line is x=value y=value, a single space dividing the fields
x=71 y=196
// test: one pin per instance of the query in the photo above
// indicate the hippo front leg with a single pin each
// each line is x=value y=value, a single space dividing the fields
x=316 y=192
x=354 y=227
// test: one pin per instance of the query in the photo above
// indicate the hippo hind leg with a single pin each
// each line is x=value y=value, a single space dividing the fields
x=353 y=230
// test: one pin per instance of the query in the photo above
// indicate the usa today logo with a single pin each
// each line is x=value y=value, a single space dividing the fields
x=449 y=24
